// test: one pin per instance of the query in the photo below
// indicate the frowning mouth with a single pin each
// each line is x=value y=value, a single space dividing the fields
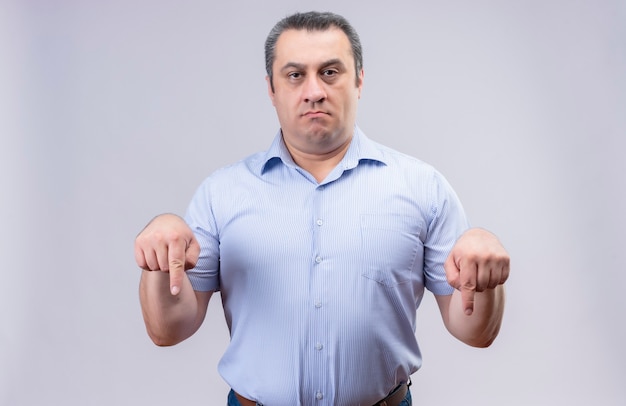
x=315 y=114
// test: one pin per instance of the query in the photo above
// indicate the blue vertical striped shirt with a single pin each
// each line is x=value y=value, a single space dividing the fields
x=320 y=282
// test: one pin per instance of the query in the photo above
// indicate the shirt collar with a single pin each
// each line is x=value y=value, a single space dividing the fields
x=361 y=149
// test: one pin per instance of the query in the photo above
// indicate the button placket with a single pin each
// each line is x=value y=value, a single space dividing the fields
x=318 y=331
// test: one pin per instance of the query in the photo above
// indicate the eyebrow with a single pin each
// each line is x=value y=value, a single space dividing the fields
x=301 y=66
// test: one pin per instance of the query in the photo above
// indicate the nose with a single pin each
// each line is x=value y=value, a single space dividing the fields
x=313 y=90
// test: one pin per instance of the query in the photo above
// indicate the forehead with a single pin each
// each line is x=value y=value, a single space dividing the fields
x=311 y=47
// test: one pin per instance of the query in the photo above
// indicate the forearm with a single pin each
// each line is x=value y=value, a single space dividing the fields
x=169 y=319
x=482 y=326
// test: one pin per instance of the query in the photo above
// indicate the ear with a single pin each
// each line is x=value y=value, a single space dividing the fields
x=360 y=82
x=269 y=89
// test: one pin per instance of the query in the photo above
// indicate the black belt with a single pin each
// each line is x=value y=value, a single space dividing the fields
x=396 y=396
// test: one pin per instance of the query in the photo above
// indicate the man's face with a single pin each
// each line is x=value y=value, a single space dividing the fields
x=315 y=90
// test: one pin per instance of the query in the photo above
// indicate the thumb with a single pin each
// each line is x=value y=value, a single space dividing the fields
x=452 y=271
x=192 y=253
x=462 y=277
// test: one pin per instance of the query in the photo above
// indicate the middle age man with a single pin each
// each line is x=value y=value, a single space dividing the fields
x=321 y=246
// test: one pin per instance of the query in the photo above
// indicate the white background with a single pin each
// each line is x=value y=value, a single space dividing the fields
x=112 y=112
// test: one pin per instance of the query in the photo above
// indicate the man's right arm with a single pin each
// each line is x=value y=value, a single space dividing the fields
x=172 y=310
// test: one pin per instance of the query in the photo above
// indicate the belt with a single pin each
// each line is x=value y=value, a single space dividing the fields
x=396 y=396
x=244 y=401
x=393 y=399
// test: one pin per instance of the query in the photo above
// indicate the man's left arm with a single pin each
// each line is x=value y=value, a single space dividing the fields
x=477 y=267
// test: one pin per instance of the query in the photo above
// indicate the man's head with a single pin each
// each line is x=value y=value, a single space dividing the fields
x=314 y=81
x=312 y=21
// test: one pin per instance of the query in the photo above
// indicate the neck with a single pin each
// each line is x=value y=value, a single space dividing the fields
x=319 y=164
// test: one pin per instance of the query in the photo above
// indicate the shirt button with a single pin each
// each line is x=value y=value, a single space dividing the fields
x=318 y=259
x=319 y=222
x=319 y=346
x=318 y=304
x=319 y=396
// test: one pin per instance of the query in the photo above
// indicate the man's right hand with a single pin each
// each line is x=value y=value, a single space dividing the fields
x=167 y=244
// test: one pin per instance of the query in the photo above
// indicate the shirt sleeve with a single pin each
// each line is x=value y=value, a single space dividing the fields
x=200 y=218
x=448 y=222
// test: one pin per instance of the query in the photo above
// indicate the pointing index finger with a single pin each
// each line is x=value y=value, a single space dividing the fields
x=468 y=287
x=176 y=260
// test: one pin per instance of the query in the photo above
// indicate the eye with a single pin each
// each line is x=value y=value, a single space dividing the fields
x=294 y=75
x=329 y=75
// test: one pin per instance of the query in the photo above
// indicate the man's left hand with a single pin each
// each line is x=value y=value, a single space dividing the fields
x=477 y=262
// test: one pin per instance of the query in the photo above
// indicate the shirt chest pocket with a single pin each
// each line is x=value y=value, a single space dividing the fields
x=391 y=247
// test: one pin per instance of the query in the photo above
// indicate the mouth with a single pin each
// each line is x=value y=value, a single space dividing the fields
x=315 y=114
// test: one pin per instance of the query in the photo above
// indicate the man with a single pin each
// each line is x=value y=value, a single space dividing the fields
x=321 y=246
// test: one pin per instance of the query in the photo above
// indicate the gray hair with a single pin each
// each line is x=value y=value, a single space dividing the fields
x=312 y=21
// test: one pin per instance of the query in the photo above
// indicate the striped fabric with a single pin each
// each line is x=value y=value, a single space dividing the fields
x=320 y=282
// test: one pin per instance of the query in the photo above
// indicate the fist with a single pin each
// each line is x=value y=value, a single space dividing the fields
x=167 y=244
x=477 y=262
